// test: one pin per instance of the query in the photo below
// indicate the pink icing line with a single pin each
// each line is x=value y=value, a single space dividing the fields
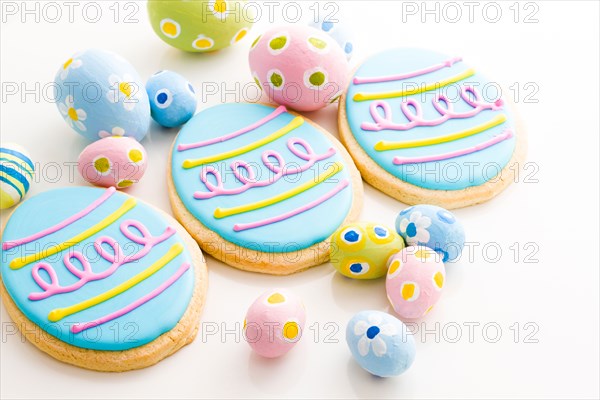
x=280 y=170
x=81 y=326
x=413 y=112
x=313 y=204
x=433 y=68
x=507 y=134
x=279 y=110
x=109 y=192
x=86 y=274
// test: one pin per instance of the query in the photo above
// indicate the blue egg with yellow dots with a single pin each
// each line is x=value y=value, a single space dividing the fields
x=172 y=98
x=338 y=30
x=434 y=227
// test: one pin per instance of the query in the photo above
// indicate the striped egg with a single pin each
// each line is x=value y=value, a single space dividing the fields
x=16 y=174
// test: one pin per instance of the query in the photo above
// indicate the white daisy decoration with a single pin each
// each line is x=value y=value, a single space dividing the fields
x=116 y=131
x=71 y=63
x=123 y=90
x=372 y=331
x=414 y=228
x=73 y=116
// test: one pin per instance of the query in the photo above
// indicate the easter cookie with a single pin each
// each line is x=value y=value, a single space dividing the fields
x=260 y=188
x=16 y=174
x=101 y=280
x=424 y=127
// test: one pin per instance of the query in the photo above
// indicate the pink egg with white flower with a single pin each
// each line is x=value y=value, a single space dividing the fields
x=415 y=280
x=299 y=67
x=113 y=161
x=274 y=323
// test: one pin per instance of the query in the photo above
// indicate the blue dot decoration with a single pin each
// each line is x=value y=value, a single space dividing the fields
x=327 y=26
x=172 y=98
x=352 y=236
x=356 y=268
x=381 y=232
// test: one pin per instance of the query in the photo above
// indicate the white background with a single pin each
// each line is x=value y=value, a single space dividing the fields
x=556 y=212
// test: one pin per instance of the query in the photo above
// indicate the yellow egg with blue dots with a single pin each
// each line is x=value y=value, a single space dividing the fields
x=361 y=250
x=16 y=174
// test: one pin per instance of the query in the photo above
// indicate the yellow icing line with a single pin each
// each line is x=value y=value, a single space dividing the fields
x=296 y=122
x=401 y=93
x=385 y=145
x=59 y=313
x=18 y=263
x=328 y=173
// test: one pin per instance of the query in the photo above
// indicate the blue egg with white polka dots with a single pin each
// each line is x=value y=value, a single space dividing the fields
x=380 y=343
x=172 y=98
x=339 y=31
x=434 y=227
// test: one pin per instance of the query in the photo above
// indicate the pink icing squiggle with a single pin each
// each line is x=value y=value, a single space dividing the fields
x=507 y=134
x=82 y=326
x=242 y=227
x=378 y=79
x=85 y=275
x=413 y=112
x=279 y=110
x=14 y=243
x=280 y=168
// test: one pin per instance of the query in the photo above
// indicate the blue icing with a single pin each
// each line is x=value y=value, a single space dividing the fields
x=140 y=326
x=356 y=268
x=298 y=232
x=172 y=98
x=351 y=236
x=451 y=174
x=89 y=80
x=446 y=234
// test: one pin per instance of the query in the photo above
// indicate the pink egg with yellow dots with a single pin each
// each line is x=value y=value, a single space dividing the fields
x=274 y=323
x=299 y=67
x=414 y=282
x=113 y=161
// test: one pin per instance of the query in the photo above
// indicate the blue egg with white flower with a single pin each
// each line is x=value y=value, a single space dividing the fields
x=339 y=31
x=172 y=98
x=380 y=343
x=434 y=227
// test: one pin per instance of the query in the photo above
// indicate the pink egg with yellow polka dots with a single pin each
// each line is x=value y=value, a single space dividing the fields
x=299 y=67
x=414 y=282
x=113 y=161
x=274 y=323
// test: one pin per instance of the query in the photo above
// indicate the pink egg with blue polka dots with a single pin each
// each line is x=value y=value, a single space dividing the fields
x=299 y=67
x=274 y=323
x=415 y=280
x=113 y=161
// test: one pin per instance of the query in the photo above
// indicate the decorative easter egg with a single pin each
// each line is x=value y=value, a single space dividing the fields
x=200 y=26
x=340 y=32
x=299 y=67
x=172 y=98
x=414 y=281
x=361 y=250
x=433 y=227
x=113 y=161
x=274 y=323
x=99 y=94
x=16 y=174
x=380 y=343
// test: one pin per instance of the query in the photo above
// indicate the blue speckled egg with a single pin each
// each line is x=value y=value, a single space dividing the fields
x=172 y=98
x=380 y=343
x=99 y=94
x=340 y=32
x=434 y=227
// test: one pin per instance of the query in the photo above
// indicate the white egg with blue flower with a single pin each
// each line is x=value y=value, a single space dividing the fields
x=339 y=31
x=380 y=343
x=434 y=227
x=172 y=98
x=100 y=94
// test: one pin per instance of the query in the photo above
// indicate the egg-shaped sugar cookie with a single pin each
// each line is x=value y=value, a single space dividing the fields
x=274 y=323
x=113 y=161
x=100 y=94
x=380 y=343
x=299 y=67
x=415 y=280
x=434 y=227
x=260 y=188
x=16 y=174
x=172 y=98
x=200 y=26
x=361 y=250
